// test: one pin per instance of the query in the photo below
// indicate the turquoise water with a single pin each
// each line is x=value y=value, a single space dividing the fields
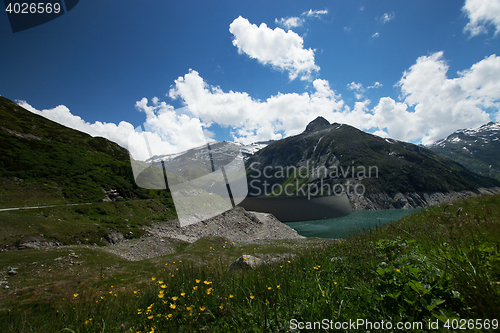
x=356 y=222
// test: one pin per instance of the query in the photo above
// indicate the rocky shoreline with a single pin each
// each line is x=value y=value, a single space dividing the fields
x=410 y=200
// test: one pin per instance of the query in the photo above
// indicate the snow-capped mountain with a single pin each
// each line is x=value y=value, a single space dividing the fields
x=478 y=149
x=246 y=150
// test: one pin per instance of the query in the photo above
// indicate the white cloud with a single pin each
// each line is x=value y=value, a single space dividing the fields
x=167 y=132
x=481 y=13
x=289 y=22
x=375 y=85
x=315 y=13
x=251 y=120
x=293 y=22
x=280 y=49
x=387 y=17
x=358 y=88
x=376 y=35
x=441 y=105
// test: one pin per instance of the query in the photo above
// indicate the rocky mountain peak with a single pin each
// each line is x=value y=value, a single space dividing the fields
x=316 y=124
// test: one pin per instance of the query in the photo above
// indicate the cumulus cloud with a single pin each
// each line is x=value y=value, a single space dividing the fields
x=387 y=17
x=166 y=131
x=441 y=105
x=280 y=49
x=482 y=13
x=376 y=35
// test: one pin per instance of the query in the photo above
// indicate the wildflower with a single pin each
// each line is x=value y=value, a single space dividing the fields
x=151 y=306
x=160 y=282
x=163 y=286
x=169 y=315
x=153 y=278
x=202 y=308
x=172 y=275
x=288 y=261
x=269 y=288
x=188 y=308
x=174 y=262
x=135 y=292
x=245 y=258
x=160 y=296
x=221 y=306
x=180 y=260
x=195 y=287
x=397 y=270
x=110 y=292
x=102 y=297
x=252 y=297
x=210 y=247
x=209 y=290
x=175 y=298
x=76 y=295
x=182 y=294
x=315 y=267
x=267 y=302
x=86 y=322
x=150 y=317
x=159 y=315
x=335 y=283
x=207 y=282
x=172 y=306
x=278 y=286
x=114 y=295
x=166 y=264
x=198 y=281
x=231 y=296
x=233 y=243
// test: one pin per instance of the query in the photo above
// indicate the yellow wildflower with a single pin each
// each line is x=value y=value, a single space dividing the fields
x=160 y=296
x=202 y=308
x=252 y=297
x=169 y=315
x=188 y=308
x=198 y=281
x=221 y=306
x=209 y=290
x=135 y=291
x=397 y=270
x=278 y=286
x=150 y=317
x=182 y=294
x=175 y=298
x=153 y=278
x=269 y=288
x=195 y=287
x=76 y=295
x=172 y=306
x=163 y=286
x=160 y=282
x=207 y=282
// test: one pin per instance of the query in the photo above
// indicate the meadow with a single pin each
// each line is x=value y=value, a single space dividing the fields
x=437 y=268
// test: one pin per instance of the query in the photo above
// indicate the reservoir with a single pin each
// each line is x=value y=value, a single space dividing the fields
x=345 y=226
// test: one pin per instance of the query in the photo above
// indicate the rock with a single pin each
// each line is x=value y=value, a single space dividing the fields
x=12 y=271
x=114 y=236
x=245 y=262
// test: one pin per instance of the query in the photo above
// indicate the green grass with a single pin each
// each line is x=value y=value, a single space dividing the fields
x=435 y=265
x=83 y=224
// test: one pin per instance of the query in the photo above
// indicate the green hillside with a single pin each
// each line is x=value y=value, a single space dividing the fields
x=42 y=162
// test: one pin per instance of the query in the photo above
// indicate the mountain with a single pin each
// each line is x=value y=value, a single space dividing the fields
x=43 y=162
x=477 y=149
x=246 y=150
x=378 y=172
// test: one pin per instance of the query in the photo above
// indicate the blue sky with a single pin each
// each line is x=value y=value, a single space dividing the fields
x=258 y=70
